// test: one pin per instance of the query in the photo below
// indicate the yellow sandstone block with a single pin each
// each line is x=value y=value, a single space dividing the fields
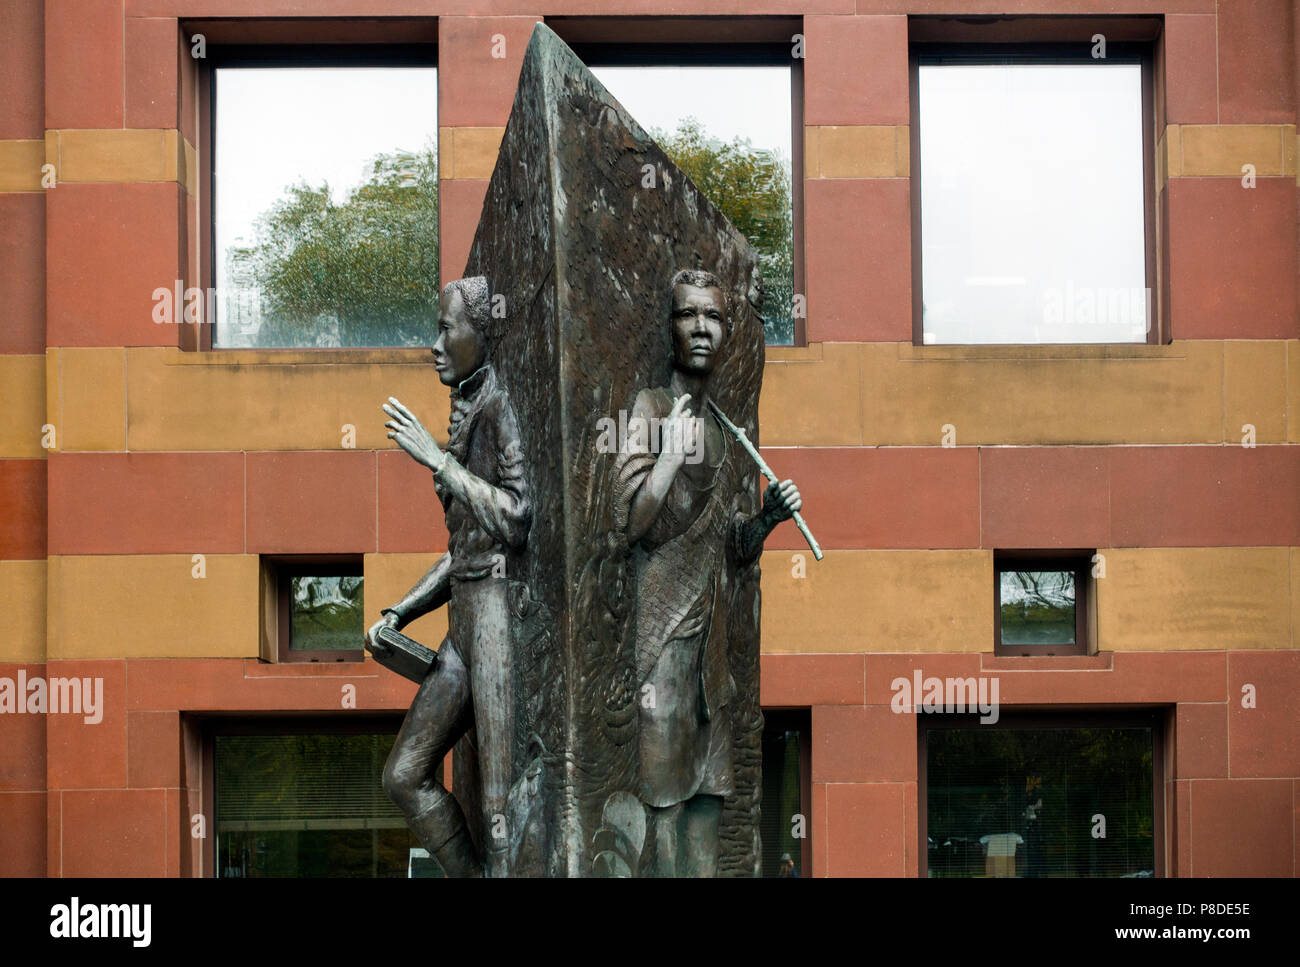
x=152 y=606
x=22 y=602
x=1195 y=598
x=878 y=601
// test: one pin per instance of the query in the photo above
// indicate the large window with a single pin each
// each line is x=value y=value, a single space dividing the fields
x=723 y=114
x=309 y=803
x=325 y=194
x=1041 y=798
x=1034 y=173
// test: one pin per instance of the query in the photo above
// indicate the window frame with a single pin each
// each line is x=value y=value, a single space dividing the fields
x=1140 y=52
x=1159 y=719
x=1080 y=563
x=246 y=52
x=211 y=726
x=277 y=633
x=614 y=42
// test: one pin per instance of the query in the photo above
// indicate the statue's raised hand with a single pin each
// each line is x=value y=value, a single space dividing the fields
x=411 y=435
x=679 y=433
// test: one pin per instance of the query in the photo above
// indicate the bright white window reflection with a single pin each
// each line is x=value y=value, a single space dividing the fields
x=347 y=262
x=698 y=110
x=1032 y=227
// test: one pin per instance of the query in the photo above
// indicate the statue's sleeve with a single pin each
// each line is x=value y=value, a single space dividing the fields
x=430 y=592
x=635 y=460
x=504 y=510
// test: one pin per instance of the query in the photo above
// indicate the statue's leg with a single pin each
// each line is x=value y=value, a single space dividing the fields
x=667 y=821
x=438 y=716
x=494 y=707
x=700 y=840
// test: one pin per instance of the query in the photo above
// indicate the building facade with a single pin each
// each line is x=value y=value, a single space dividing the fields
x=166 y=493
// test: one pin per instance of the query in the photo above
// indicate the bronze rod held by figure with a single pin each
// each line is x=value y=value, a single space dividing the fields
x=739 y=434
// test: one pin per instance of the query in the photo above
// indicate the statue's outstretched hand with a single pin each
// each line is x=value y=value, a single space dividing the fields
x=780 y=501
x=411 y=435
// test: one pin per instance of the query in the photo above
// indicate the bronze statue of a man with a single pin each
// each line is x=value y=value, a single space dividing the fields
x=679 y=497
x=481 y=483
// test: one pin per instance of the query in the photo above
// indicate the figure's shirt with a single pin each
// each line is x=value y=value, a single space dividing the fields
x=692 y=487
x=481 y=483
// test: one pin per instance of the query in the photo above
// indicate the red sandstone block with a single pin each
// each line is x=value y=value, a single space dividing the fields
x=23 y=497
x=153 y=749
x=865 y=828
x=1232 y=258
x=1204 y=496
x=799 y=680
x=855 y=70
x=476 y=87
x=1263 y=741
x=22 y=70
x=85 y=754
x=905 y=497
x=1191 y=76
x=884 y=669
x=863 y=744
x=1044 y=497
x=22 y=272
x=22 y=737
x=1201 y=741
x=146 y=503
x=152 y=78
x=403 y=526
x=108 y=247
x=311 y=502
x=859 y=259
x=22 y=817
x=220 y=684
x=460 y=202
x=1256 y=83
x=1242 y=827
x=115 y=832
x=84 y=63
x=1169 y=676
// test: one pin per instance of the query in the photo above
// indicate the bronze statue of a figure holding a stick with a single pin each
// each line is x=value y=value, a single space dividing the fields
x=683 y=520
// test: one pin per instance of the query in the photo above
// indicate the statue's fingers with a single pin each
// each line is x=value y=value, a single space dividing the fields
x=394 y=414
x=397 y=405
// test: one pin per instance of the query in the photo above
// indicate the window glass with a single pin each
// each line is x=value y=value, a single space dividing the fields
x=326 y=206
x=782 y=811
x=1040 y=802
x=729 y=129
x=1037 y=607
x=325 y=613
x=309 y=805
x=1032 y=203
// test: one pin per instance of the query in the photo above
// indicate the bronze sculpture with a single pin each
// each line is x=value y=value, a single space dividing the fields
x=481 y=482
x=572 y=745
x=683 y=517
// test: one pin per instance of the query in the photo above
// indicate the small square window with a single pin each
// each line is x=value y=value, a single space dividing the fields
x=1034 y=169
x=1041 y=606
x=318 y=611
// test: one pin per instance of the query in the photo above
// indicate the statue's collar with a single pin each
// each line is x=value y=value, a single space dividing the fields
x=472 y=385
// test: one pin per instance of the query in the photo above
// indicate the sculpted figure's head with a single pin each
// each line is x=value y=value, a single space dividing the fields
x=699 y=321
x=464 y=311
